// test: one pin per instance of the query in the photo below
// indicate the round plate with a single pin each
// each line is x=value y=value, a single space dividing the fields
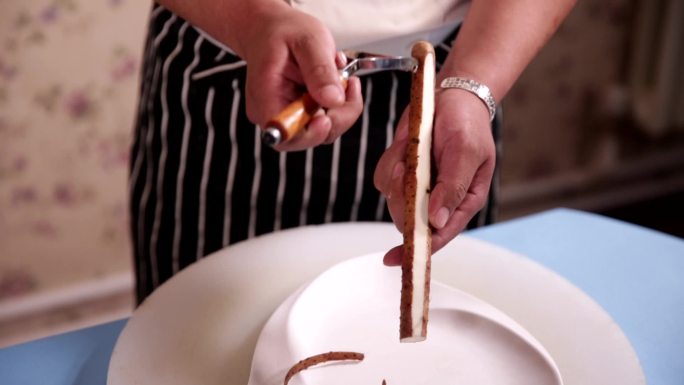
x=202 y=325
x=353 y=307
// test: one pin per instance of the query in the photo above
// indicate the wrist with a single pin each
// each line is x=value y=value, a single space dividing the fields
x=463 y=104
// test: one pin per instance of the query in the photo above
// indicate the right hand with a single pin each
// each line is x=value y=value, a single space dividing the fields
x=289 y=52
x=464 y=156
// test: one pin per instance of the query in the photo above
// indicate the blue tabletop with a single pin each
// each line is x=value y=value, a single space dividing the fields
x=635 y=274
x=76 y=358
x=632 y=272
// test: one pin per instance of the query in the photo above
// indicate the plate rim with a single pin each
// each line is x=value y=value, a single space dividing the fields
x=340 y=241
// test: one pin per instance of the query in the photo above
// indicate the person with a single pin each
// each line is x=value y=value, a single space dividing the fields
x=216 y=71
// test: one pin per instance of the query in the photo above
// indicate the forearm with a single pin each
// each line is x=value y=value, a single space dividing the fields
x=499 y=38
x=228 y=21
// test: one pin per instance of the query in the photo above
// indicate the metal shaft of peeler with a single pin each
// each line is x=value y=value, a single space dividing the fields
x=291 y=120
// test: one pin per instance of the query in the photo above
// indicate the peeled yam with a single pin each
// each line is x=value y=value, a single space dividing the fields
x=415 y=279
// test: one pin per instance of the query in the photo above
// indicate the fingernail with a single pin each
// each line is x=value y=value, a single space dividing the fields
x=332 y=93
x=398 y=170
x=441 y=218
x=326 y=124
x=340 y=59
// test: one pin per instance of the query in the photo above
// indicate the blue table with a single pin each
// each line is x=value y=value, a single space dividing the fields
x=636 y=274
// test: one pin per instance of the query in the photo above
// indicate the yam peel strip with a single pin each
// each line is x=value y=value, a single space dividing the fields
x=320 y=359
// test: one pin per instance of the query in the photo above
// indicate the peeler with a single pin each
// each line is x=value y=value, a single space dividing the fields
x=297 y=115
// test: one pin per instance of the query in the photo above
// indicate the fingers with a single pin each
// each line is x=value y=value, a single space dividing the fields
x=272 y=84
x=394 y=256
x=343 y=117
x=382 y=178
x=389 y=173
x=463 y=147
x=465 y=157
x=460 y=192
x=456 y=169
x=326 y=127
x=395 y=196
x=474 y=200
x=316 y=57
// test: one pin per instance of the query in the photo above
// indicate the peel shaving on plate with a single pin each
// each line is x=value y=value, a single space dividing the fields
x=320 y=359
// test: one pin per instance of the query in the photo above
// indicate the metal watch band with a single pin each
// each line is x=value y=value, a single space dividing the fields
x=479 y=89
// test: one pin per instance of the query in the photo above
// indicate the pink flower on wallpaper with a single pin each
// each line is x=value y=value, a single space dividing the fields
x=24 y=194
x=119 y=215
x=124 y=68
x=19 y=164
x=7 y=72
x=16 y=282
x=121 y=158
x=113 y=153
x=78 y=104
x=49 y=14
x=44 y=228
x=64 y=195
x=116 y=229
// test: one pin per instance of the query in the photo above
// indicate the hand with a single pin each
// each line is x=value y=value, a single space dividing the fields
x=464 y=153
x=289 y=53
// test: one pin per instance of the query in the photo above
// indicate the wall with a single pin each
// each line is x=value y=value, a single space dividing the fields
x=68 y=71
x=570 y=136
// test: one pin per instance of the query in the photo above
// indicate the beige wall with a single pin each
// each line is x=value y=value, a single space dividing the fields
x=68 y=72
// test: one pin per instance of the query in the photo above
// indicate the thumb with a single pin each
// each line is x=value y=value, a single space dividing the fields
x=315 y=55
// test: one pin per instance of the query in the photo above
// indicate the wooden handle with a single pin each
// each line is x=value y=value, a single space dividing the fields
x=296 y=115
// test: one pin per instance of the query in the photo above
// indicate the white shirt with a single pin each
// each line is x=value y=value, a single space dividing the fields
x=386 y=26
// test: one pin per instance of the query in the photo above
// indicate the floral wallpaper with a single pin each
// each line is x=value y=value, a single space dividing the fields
x=68 y=73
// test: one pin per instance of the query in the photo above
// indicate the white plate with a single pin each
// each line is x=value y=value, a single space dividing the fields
x=354 y=307
x=202 y=325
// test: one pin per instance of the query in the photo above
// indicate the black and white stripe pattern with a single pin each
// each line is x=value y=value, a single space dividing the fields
x=201 y=178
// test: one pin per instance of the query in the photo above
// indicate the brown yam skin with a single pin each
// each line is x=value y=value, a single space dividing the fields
x=319 y=359
x=416 y=116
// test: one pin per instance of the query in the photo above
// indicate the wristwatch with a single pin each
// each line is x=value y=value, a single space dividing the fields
x=479 y=89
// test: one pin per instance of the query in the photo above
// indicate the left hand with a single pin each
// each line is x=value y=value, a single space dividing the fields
x=464 y=153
